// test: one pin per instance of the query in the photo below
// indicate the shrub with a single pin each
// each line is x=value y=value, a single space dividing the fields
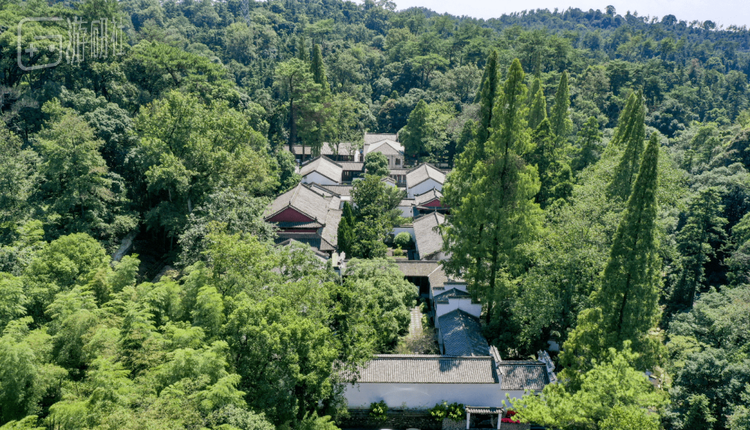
x=379 y=411
x=454 y=411
x=398 y=252
x=403 y=240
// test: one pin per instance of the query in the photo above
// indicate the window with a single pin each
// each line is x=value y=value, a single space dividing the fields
x=398 y=161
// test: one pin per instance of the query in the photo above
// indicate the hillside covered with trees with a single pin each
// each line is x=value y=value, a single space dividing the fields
x=599 y=195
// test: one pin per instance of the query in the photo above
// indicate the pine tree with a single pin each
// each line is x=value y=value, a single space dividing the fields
x=538 y=112
x=702 y=234
x=535 y=87
x=345 y=235
x=467 y=135
x=632 y=135
x=414 y=135
x=317 y=68
x=626 y=305
x=559 y=117
x=488 y=96
x=498 y=212
x=588 y=140
x=302 y=50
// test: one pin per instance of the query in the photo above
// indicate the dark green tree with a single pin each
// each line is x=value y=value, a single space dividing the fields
x=487 y=97
x=550 y=160
x=631 y=133
x=559 y=116
x=415 y=135
x=697 y=242
x=318 y=69
x=589 y=138
x=625 y=307
x=538 y=111
x=345 y=234
x=498 y=212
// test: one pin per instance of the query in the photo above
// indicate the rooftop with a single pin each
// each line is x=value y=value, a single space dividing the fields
x=428 y=369
x=523 y=375
x=345 y=148
x=417 y=268
x=303 y=199
x=324 y=166
x=422 y=173
x=462 y=335
x=428 y=196
x=453 y=293
x=428 y=238
x=375 y=137
x=386 y=147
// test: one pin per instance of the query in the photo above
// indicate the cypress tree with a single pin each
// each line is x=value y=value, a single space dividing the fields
x=629 y=293
x=559 y=117
x=488 y=95
x=414 y=135
x=498 y=212
x=588 y=139
x=467 y=135
x=623 y=123
x=317 y=68
x=626 y=306
x=301 y=50
x=538 y=112
x=345 y=234
x=535 y=87
x=633 y=124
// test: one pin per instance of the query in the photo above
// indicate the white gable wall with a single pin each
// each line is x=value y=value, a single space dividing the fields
x=423 y=396
x=465 y=305
x=461 y=286
x=317 y=178
x=423 y=188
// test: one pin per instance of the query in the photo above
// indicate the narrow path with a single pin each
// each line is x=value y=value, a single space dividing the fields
x=415 y=327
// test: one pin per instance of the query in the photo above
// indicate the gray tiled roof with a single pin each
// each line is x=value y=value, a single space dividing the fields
x=422 y=173
x=428 y=196
x=345 y=148
x=386 y=147
x=453 y=293
x=417 y=268
x=374 y=137
x=341 y=190
x=324 y=166
x=462 y=335
x=523 y=375
x=428 y=369
x=438 y=278
x=352 y=166
x=429 y=241
x=304 y=200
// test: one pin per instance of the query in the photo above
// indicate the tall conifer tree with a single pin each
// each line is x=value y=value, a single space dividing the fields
x=632 y=124
x=625 y=307
x=414 y=135
x=538 y=112
x=559 y=117
x=318 y=70
x=498 y=212
x=488 y=96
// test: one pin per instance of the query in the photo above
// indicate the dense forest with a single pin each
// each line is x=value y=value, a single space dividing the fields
x=599 y=194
